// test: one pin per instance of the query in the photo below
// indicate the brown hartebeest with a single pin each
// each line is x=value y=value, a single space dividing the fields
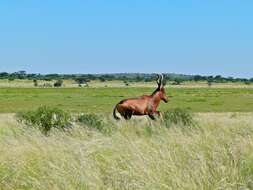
x=143 y=105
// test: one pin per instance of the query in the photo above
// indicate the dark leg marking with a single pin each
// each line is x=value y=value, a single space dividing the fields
x=128 y=114
x=151 y=116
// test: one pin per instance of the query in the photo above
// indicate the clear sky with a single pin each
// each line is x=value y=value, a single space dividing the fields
x=106 y=36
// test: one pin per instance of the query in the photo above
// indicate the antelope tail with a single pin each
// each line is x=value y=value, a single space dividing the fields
x=114 y=113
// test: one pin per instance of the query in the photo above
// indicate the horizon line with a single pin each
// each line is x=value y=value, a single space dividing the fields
x=113 y=73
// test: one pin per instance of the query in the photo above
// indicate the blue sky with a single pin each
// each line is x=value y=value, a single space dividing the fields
x=107 y=36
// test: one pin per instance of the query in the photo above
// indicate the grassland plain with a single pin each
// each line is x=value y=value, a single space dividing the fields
x=139 y=154
x=102 y=100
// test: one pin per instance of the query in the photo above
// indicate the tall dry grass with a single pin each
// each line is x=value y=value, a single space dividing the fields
x=139 y=154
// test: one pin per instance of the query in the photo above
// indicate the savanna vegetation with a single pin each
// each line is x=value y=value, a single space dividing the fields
x=57 y=132
x=209 y=151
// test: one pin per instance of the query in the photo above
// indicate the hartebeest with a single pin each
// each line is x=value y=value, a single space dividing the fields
x=143 y=105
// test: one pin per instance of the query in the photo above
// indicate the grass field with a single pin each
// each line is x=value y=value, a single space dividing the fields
x=102 y=100
x=139 y=154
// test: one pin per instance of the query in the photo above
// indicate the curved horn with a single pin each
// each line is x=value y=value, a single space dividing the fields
x=158 y=80
x=161 y=80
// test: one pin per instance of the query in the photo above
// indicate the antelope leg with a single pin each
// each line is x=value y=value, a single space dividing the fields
x=151 y=116
x=128 y=114
x=158 y=113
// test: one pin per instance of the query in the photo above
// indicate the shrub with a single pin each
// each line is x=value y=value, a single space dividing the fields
x=178 y=116
x=247 y=82
x=91 y=121
x=177 y=81
x=81 y=80
x=58 y=83
x=46 y=118
x=97 y=122
x=126 y=83
x=35 y=82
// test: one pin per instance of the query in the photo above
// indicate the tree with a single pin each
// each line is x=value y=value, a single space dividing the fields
x=138 y=78
x=4 y=75
x=209 y=82
x=229 y=79
x=247 y=82
x=21 y=72
x=35 y=82
x=126 y=83
x=218 y=78
x=178 y=81
x=11 y=79
x=102 y=79
x=197 y=78
x=81 y=80
x=58 y=83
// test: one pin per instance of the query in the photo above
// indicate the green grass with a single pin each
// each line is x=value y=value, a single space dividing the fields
x=139 y=155
x=102 y=100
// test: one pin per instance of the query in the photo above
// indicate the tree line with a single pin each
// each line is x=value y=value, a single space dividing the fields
x=126 y=77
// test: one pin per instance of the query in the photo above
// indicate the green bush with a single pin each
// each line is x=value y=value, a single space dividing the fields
x=178 y=116
x=35 y=82
x=91 y=121
x=247 y=82
x=46 y=118
x=58 y=83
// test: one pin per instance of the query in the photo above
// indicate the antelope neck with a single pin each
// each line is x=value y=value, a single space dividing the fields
x=156 y=97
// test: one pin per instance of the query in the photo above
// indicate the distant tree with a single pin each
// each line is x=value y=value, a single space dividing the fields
x=138 y=78
x=102 y=79
x=21 y=72
x=218 y=78
x=4 y=75
x=35 y=82
x=197 y=78
x=11 y=79
x=210 y=78
x=177 y=81
x=130 y=77
x=230 y=79
x=240 y=80
x=247 y=82
x=19 y=75
x=91 y=77
x=147 y=79
x=126 y=83
x=81 y=80
x=58 y=83
x=209 y=82
x=50 y=77
x=31 y=76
